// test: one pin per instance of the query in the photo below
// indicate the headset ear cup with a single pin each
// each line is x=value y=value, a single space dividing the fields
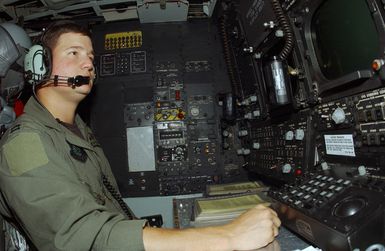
x=34 y=66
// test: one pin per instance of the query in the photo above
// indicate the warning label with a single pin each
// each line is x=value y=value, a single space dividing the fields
x=340 y=145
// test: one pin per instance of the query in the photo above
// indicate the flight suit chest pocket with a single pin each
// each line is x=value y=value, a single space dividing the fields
x=85 y=165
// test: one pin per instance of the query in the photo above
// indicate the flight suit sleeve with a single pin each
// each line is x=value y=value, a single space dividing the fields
x=56 y=210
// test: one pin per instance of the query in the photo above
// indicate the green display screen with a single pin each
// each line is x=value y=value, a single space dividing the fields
x=344 y=37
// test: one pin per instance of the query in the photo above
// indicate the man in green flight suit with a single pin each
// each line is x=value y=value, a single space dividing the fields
x=56 y=183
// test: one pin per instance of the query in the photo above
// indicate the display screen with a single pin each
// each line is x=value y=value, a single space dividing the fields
x=344 y=36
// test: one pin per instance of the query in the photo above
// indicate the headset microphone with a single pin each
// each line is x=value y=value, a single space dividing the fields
x=72 y=81
x=78 y=81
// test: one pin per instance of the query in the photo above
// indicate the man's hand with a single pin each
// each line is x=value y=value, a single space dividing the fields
x=253 y=229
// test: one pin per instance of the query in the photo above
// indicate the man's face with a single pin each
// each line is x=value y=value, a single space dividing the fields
x=73 y=55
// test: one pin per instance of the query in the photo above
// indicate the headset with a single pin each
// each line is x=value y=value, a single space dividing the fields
x=38 y=65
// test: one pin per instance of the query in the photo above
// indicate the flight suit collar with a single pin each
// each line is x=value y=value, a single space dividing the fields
x=38 y=111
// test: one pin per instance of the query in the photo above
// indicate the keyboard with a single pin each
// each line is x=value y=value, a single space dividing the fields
x=333 y=213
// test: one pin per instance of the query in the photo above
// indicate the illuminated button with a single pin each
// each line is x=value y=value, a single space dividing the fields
x=377 y=64
x=256 y=113
x=299 y=134
x=314 y=190
x=248 y=115
x=177 y=95
x=243 y=151
x=338 y=189
x=253 y=98
x=298 y=203
x=347 y=182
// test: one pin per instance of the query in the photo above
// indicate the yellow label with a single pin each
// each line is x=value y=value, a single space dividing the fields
x=123 y=40
x=170 y=115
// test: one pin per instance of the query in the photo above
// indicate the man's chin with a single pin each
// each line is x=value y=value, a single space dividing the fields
x=84 y=89
x=81 y=94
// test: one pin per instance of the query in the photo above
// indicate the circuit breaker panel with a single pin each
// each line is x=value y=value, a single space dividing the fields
x=159 y=88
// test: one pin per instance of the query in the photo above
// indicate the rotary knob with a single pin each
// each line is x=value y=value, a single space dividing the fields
x=286 y=168
x=289 y=135
x=226 y=133
x=194 y=111
x=338 y=116
x=324 y=166
x=362 y=170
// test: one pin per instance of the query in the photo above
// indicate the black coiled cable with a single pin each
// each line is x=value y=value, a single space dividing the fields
x=284 y=23
x=117 y=197
x=228 y=57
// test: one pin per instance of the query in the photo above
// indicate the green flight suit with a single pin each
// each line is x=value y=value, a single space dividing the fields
x=50 y=181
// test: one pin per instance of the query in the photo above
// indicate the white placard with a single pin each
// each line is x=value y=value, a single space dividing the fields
x=140 y=147
x=341 y=144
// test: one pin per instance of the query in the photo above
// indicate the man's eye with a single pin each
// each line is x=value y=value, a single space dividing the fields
x=73 y=53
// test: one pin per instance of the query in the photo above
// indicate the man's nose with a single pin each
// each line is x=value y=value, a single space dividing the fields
x=88 y=64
